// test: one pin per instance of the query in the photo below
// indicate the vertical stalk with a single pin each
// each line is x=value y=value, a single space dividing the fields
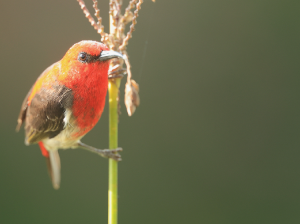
x=113 y=90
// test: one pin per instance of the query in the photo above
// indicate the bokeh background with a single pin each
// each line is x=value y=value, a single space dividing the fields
x=215 y=139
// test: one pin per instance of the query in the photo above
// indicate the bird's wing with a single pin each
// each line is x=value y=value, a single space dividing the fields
x=23 y=111
x=44 y=112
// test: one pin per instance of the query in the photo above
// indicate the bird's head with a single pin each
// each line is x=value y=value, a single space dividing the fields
x=87 y=58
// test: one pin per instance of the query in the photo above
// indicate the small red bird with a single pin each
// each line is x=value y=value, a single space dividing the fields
x=66 y=102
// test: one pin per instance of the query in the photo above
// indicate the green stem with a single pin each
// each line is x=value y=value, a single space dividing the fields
x=113 y=90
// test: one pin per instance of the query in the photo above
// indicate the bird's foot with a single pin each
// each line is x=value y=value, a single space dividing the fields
x=106 y=153
x=117 y=73
x=110 y=153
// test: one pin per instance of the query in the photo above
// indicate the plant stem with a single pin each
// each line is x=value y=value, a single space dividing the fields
x=113 y=90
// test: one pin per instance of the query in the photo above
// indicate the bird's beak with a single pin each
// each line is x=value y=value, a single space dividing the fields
x=106 y=55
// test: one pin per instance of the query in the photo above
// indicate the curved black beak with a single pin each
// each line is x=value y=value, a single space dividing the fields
x=106 y=55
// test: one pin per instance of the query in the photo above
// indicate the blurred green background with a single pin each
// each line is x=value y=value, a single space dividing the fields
x=215 y=139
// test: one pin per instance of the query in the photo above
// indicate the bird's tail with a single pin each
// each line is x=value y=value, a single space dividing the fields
x=53 y=164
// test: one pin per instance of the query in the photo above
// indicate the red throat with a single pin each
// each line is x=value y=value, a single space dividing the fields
x=89 y=96
x=89 y=84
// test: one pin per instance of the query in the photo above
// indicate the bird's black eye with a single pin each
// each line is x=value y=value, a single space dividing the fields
x=82 y=56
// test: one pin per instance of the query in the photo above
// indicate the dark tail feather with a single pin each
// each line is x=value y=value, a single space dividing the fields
x=53 y=165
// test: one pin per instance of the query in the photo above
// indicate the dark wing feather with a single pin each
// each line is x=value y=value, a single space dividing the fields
x=24 y=106
x=45 y=115
x=23 y=111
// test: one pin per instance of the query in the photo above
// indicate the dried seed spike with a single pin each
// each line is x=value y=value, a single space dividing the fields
x=117 y=15
x=128 y=16
x=132 y=98
x=97 y=11
x=112 y=42
x=87 y=14
x=131 y=5
x=114 y=12
x=129 y=34
x=99 y=23
x=128 y=66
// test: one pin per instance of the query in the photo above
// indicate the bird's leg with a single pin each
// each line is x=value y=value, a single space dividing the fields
x=107 y=153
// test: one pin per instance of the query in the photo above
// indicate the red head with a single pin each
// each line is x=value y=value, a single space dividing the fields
x=86 y=59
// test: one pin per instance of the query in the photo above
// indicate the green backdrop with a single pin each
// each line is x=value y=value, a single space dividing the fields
x=215 y=139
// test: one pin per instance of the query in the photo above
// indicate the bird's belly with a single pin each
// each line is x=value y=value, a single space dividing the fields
x=63 y=140
x=68 y=137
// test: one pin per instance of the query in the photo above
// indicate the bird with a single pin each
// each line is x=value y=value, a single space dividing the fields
x=66 y=102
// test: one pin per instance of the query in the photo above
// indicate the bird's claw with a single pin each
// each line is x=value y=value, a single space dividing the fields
x=112 y=153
